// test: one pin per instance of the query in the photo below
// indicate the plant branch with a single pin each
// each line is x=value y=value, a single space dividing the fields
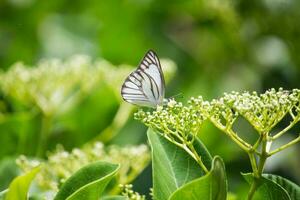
x=258 y=171
x=244 y=145
x=285 y=146
x=253 y=162
x=198 y=158
x=296 y=119
x=253 y=188
x=189 y=148
x=257 y=143
x=44 y=134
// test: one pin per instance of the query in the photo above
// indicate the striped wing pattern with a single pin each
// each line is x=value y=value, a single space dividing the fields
x=145 y=86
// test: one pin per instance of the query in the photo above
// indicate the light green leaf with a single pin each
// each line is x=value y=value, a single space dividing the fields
x=117 y=197
x=268 y=189
x=2 y=194
x=212 y=186
x=173 y=167
x=231 y=196
x=19 y=187
x=88 y=183
x=292 y=189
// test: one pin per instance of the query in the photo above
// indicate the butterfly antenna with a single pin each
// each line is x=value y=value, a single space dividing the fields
x=180 y=95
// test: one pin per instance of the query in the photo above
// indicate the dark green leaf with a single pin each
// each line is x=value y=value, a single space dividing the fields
x=212 y=186
x=268 y=189
x=292 y=189
x=172 y=166
x=88 y=183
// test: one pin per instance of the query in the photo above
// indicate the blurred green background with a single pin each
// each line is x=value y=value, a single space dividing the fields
x=218 y=46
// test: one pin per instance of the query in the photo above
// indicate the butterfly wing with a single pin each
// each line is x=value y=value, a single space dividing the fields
x=145 y=86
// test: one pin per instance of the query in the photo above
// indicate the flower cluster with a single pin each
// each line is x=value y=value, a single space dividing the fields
x=62 y=164
x=130 y=194
x=52 y=84
x=176 y=121
x=263 y=111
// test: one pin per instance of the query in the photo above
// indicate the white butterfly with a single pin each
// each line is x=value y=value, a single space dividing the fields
x=146 y=85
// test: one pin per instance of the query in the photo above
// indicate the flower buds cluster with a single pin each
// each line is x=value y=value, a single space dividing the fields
x=130 y=194
x=262 y=111
x=175 y=120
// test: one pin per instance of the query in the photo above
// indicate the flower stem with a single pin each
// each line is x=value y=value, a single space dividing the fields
x=198 y=158
x=45 y=131
x=258 y=170
x=296 y=119
x=244 y=145
x=253 y=162
x=285 y=146
x=253 y=188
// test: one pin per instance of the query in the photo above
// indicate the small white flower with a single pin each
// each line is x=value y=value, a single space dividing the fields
x=159 y=108
x=171 y=103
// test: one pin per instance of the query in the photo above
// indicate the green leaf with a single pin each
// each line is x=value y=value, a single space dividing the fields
x=88 y=183
x=19 y=187
x=292 y=189
x=212 y=186
x=117 y=197
x=2 y=194
x=173 y=167
x=231 y=196
x=8 y=171
x=268 y=189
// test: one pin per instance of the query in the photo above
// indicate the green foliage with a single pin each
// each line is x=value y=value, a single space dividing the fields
x=114 y=198
x=60 y=165
x=292 y=189
x=218 y=45
x=267 y=189
x=8 y=171
x=212 y=186
x=88 y=183
x=172 y=166
x=177 y=123
x=51 y=103
x=19 y=187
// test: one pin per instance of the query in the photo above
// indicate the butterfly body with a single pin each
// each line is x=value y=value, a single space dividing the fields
x=146 y=85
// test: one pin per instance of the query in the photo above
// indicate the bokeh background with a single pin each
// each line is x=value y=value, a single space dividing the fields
x=217 y=45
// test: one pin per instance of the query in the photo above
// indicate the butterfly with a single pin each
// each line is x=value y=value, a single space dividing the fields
x=146 y=85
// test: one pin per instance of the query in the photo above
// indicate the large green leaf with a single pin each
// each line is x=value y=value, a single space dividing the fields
x=173 y=167
x=19 y=187
x=212 y=186
x=88 y=183
x=268 y=189
x=292 y=189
